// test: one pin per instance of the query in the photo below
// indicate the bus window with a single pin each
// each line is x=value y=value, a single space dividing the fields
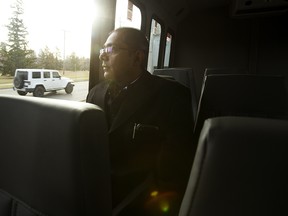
x=52 y=35
x=155 y=36
x=168 y=50
x=127 y=15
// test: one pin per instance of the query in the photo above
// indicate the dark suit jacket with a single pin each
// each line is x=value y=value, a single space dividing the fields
x=161 y=141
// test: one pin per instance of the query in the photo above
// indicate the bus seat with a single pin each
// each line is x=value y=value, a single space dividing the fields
x=186 y=77
x=241 y=95
x=240 y=168
x=167 y=77
x=54 y=158
x=209 y=71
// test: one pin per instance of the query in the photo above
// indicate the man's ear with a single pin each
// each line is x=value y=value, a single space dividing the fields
x=139 y=57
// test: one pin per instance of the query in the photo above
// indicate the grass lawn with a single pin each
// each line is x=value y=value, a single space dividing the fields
x=76 y=75
x=7 y=81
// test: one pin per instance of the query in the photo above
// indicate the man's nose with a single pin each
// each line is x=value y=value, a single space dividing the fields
x=103 y=56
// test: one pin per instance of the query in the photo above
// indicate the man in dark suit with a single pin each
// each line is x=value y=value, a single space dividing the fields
x=150 y=127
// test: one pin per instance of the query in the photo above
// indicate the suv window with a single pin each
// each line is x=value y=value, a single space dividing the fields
x=47 y=74
x=22 y=74
x=56 y=75
x=36 y=75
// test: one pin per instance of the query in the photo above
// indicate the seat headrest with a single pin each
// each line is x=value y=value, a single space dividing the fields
x=54 y=155
x=240 y=168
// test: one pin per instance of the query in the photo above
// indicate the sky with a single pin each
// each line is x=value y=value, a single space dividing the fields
x=47 y=21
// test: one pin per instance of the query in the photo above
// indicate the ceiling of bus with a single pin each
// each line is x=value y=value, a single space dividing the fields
x=179 y=8
x=198 y=4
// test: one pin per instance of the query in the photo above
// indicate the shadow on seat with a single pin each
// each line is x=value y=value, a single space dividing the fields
x=186 y=77
x=53 y=158
x=241 y=95
x=240 y=169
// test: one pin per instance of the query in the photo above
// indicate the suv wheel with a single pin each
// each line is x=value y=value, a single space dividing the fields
x=18 y=82
x=69 y=88
x=22 y=93
x=39 y=91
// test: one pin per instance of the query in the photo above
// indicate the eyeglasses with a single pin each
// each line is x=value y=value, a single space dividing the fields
x=111 y=49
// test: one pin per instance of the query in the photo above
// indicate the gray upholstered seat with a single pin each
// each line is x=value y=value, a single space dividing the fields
x=240 y=169
x=186 y=77
x=53 y=158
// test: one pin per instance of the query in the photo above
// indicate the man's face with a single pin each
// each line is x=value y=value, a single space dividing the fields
x=117 y=59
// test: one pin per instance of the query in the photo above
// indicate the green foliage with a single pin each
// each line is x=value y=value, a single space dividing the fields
x=15 y=53
x=74 y=63
x=48 y=60
x=3 y=58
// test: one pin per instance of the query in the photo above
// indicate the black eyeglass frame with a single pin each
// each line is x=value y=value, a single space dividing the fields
x=111 y=49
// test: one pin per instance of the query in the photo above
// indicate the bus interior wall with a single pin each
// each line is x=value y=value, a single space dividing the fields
x=212 y=38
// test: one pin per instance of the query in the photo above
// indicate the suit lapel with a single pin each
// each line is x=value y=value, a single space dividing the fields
x=136 y=97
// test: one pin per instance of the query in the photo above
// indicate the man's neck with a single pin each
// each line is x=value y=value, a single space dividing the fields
x=129 y=81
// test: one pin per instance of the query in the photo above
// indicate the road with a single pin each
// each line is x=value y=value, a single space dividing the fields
x=79 y=93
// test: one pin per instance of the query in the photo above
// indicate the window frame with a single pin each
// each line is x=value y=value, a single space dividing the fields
x=171 y=56
x=162 y=43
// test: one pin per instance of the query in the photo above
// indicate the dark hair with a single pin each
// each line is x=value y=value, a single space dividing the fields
x=134 y=38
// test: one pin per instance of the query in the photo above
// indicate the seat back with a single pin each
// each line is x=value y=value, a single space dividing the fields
x=53 y=158
x=186 y=77
x=241 y=95
x=209 y=71
x=240 y=168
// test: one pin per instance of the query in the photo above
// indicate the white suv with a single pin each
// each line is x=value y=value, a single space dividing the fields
x=39 y=81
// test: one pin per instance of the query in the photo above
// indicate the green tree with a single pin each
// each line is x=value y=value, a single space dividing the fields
x=84 y=64
x=3 y=57
x=49 y=60
x=58 y=60
x=17 y=53
x=72 y=62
